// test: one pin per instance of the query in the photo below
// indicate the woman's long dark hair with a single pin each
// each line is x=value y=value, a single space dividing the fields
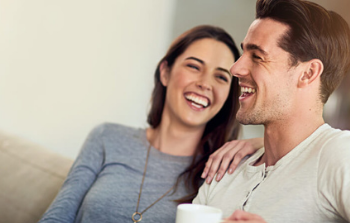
x=221 y=128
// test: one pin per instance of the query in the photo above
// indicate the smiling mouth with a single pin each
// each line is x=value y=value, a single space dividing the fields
x=247 y=91
x=197 y=101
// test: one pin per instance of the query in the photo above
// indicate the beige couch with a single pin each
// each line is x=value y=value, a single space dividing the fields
x=30 y=177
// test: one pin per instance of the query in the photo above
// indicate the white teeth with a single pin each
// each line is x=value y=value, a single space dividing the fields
x=196 y=105
x=247 y=90
x=198 y=100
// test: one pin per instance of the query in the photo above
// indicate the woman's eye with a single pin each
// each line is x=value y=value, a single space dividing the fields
x=193 y=66
x=223 y=77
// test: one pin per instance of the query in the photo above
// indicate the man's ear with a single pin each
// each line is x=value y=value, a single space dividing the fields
x=164 y=73
x=313 y=70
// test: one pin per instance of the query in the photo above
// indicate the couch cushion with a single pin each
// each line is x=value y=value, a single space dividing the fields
x=30 y=177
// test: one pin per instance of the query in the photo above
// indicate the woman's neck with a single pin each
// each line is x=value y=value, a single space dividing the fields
x=174 y=139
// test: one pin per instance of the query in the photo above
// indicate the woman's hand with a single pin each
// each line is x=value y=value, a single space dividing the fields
x=231 y=152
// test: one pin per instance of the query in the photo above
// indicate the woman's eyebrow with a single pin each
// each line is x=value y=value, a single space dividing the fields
x=224 y=70
x=202 y=62
x=195 y=58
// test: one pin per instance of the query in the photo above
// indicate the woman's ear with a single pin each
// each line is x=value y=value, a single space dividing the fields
x=164 y=73
x=312 y=71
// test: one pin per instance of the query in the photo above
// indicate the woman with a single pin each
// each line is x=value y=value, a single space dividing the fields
x=124 y=174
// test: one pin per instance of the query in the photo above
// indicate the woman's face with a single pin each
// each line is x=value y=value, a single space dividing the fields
x=198 y=83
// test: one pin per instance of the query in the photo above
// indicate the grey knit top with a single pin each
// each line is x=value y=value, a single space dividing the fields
x=104 y=182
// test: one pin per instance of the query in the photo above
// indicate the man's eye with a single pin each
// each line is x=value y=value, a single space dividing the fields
x=256 y=57
x=193 y=66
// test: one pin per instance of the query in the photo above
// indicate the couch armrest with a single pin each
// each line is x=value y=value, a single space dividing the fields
x=31 y=176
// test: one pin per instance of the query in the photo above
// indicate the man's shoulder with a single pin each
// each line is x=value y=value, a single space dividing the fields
x=334 y=146
x=335 y=137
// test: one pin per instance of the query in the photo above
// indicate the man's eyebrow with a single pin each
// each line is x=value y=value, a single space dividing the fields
x=202 y=62
x=250 y=46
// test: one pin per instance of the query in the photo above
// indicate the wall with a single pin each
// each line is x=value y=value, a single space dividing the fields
x=66 y=66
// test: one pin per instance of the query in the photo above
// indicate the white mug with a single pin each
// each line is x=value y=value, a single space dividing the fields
x=197 y=213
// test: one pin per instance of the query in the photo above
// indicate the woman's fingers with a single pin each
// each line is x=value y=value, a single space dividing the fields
x=206 y=168
x=212 y=165
x=220 y=159
x=232 y=151
x=228 y=157
x=244 y=151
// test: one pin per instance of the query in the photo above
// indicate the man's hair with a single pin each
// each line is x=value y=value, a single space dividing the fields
x=314 y=33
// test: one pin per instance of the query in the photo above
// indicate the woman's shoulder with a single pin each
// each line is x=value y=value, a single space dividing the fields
x=112 y=130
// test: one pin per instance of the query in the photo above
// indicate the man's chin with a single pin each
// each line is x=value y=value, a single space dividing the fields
x=247 y=119
x=243 y=121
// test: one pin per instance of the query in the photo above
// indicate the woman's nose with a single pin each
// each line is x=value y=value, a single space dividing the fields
x=203 y=85
x=203 y=82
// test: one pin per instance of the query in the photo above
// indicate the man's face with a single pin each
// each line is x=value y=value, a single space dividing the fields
x=268 y=82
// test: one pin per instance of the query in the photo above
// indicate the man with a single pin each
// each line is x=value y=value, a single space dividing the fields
x=294 y=55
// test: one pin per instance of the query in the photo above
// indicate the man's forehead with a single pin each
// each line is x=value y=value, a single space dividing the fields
x=268 y=24
x=264 y=35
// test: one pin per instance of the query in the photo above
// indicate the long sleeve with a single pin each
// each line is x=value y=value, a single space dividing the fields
x=79 y=180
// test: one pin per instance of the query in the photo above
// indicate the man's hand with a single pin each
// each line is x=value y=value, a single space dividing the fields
x=242 y=216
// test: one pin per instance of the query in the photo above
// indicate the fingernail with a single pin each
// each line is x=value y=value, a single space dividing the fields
x=204 y=174
x=230 y=171
x=218 y=177
x=208 y=180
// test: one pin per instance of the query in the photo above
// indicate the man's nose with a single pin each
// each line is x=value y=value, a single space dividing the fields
x=240 y=67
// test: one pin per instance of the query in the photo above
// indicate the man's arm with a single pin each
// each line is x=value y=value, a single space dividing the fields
x=202 y=196
x=334 y=175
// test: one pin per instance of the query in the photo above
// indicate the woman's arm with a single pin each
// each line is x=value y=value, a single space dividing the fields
x=79 y=180
x=231 y=152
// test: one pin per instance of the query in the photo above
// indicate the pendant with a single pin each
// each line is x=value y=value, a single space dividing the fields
x=138 y=215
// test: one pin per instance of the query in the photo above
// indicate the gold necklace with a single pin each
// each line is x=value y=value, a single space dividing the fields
x=138 y=214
